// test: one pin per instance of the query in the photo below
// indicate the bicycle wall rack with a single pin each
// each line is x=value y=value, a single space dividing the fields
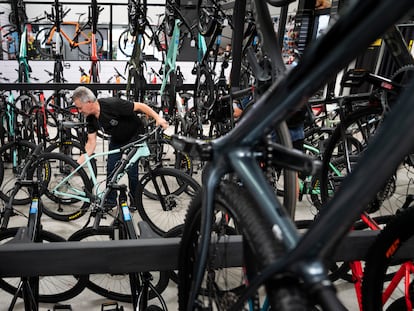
x=136 y=255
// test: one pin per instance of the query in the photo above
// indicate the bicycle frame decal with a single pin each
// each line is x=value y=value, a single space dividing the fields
x=142 y=151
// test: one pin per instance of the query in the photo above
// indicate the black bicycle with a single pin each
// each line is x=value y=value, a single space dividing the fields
x=290 y=266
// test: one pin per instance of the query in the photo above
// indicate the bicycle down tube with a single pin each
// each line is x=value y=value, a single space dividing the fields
x=350 y=35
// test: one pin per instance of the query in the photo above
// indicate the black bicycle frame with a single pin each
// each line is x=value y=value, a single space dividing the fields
x=353 y=32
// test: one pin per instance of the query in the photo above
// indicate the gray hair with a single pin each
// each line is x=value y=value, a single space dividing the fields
x=83 y=94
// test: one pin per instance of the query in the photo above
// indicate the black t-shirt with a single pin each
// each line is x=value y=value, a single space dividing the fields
x=118 y=119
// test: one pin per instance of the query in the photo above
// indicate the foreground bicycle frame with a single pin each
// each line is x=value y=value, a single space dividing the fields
x=234 y=153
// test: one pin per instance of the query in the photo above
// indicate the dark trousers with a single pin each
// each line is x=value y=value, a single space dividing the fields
x=132 y=173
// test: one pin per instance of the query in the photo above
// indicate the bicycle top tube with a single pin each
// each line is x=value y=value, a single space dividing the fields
x=171 y=55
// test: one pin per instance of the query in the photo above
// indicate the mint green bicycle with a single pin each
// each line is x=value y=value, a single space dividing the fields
x=71 y=190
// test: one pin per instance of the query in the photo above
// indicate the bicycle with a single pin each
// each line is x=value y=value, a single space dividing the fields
x=35 y=289
x=161 y=196
x=352 y=135
x=289 y=265
x=47 y=38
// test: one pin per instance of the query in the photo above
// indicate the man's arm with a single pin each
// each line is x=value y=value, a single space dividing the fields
x=150 y=112
x=89 y=146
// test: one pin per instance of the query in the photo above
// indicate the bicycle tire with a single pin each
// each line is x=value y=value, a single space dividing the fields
x=206 y=17
x=113 y=286
x=176 y=188
x=282 y=180
x=60 y=206
x=11 y=168
x=85 y=49
x=393 y=194
x=164 y=153
x=233 y=205
x=380 y=257
x=47 y=50
x=41 y=133
x=9 y=40
x=72 y=149
x=65 y=286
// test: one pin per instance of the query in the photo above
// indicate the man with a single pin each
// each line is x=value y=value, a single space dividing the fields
x=118 y=118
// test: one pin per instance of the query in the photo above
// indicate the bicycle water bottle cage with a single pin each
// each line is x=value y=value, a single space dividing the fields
x=279 y=3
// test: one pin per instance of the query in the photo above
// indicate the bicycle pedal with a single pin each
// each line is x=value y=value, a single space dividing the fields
x=111 y=306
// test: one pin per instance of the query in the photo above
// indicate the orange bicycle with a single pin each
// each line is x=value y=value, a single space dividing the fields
x=81 y=39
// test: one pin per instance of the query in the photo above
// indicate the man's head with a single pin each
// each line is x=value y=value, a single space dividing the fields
x=84 y=99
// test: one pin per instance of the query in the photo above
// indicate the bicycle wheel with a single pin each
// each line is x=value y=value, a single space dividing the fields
x=163 y=152
x=381 y=262
x=9 y=43
x=138 y=84
x=52 y=289
x=235 y=212
x=85 y=36
x=163 y=196
x=285 y=181
x=114 y=286
x=70 y=148
x=63 y=199
x=349 y=138
x=41 y=124
x=206 y=17
x=126 y=43
x=45 y=47
x=360 y=127
x=12 y=158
